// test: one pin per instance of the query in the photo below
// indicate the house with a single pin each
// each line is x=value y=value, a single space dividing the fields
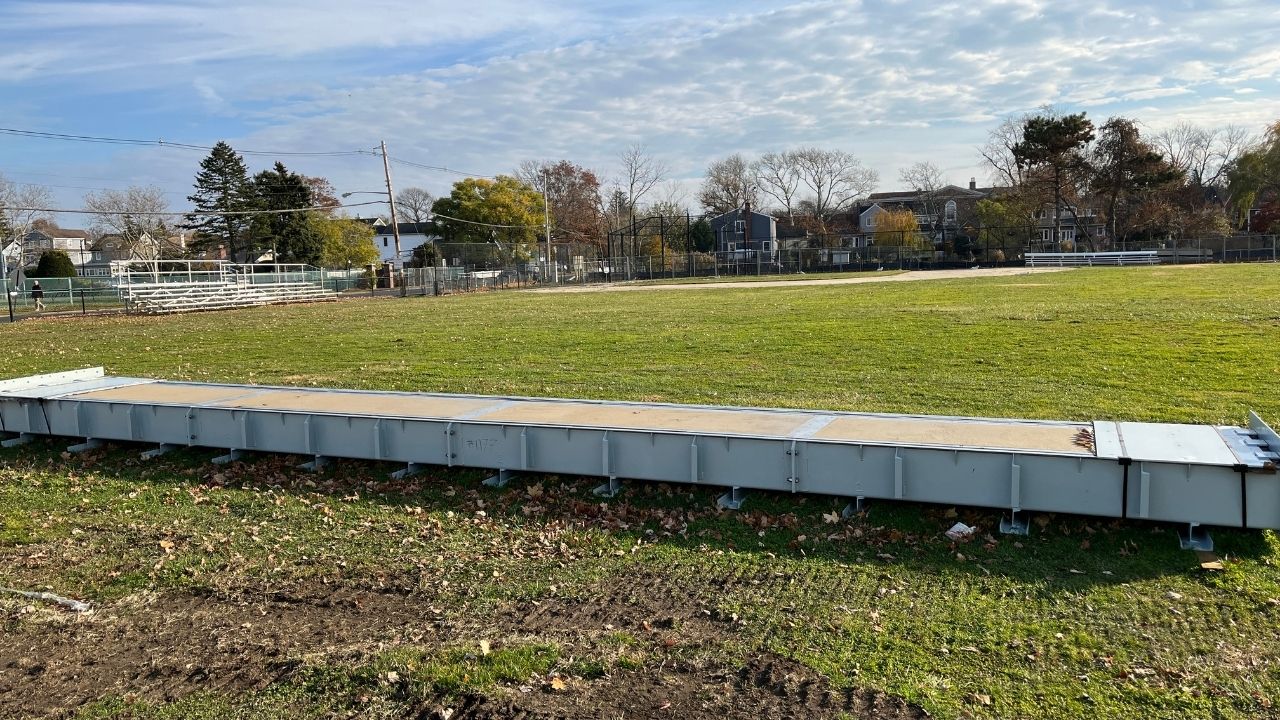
x=1076 y=224
x=938 y=213
x=730 y=231
x=75 y=243
x=412 y=235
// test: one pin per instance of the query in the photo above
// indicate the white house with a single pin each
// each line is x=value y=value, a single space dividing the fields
x=412 y=235
x=75 y=243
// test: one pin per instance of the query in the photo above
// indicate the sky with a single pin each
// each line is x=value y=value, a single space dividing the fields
x=482 y=86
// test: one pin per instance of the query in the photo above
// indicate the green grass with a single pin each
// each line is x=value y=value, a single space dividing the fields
x=1134 y=343
x=1084 y=617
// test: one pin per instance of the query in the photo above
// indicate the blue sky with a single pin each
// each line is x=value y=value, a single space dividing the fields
x=482 y=86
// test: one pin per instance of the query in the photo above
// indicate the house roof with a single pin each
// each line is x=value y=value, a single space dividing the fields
x=61 y=234
x=948 y=191
x=406 y=228
x=736 y=211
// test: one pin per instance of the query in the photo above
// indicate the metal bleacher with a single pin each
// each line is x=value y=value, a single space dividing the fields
x=1088 y=259
x=193 y=286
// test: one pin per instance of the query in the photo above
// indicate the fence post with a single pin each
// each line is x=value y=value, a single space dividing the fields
x=83 y=309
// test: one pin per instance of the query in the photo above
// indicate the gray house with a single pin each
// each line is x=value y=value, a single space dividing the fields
x=730 y=231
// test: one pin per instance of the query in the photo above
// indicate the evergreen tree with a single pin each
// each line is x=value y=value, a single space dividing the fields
x=701 y=237
x=291 y=235
x=54 y=263
x=222 y=186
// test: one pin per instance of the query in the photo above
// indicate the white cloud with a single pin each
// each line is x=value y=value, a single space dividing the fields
x=483 y=87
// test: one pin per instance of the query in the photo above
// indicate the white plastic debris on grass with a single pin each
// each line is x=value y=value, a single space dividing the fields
x=960 y=531
x=72 y=605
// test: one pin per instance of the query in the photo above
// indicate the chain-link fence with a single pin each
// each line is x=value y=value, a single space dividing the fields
x=61 y=296
x=504 y=267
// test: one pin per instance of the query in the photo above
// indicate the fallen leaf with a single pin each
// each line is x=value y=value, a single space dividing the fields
x=831 y=518
x=980 y=699
x=484 y=647
x=558 y=685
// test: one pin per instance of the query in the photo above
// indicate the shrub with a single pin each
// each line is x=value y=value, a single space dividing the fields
x=54 y=263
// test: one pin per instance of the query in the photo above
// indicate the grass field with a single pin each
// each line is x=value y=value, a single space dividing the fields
x=257 y=590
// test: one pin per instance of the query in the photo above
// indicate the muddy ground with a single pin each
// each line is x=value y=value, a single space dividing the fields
x=162 y=648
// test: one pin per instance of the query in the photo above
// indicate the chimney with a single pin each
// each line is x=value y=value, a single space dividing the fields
x=973 y=183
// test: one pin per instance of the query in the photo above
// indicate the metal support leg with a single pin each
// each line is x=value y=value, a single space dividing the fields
x=854 y=508
x=22 y=439
x=498 y=481
x=88 y=444
x=609 y=489
x=1195 y=537
x=231 y=456
x=1015 y=524
x=315 y=465
x=409 y=469
x=731 y=500
x=161 y=449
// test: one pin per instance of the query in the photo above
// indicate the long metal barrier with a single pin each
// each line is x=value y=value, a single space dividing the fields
x=1190 y=474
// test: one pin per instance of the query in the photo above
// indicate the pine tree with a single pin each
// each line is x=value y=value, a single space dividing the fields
x=222 y=186
x=291 y=235
x=54 y=264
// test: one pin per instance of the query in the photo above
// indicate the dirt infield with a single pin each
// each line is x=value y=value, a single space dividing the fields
x=908 y=276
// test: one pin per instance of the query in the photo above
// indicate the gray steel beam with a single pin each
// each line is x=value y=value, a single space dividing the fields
x=1199 y=475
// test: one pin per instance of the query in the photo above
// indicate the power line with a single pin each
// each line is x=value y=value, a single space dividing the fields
x=182 y=213
x=117 y=189
x=43 y=135
x=473 y=222
x=440 y=168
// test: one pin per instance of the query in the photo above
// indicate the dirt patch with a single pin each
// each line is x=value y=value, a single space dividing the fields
x=767 y=687
x=160 y=649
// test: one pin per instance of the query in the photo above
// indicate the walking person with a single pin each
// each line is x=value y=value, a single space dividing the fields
x=37 y=294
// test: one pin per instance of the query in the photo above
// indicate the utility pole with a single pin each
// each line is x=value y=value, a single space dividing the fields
x=553 y=268
x=391 y=199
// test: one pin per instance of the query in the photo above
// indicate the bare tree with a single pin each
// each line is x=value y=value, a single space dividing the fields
x=415 y=204
x=729 y=184
x=926 y=180
x=1204 y=154
x=834 y=180
x=640 y=172
x=778 y=177
x=998 y=152
x=21 y=206
x=136 y=218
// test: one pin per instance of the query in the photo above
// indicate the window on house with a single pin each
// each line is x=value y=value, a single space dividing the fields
x=384 y=242
x=871 y=221
x=949 y=211
x=1068 y=234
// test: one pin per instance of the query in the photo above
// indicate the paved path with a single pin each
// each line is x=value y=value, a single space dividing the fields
x=896 y=277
